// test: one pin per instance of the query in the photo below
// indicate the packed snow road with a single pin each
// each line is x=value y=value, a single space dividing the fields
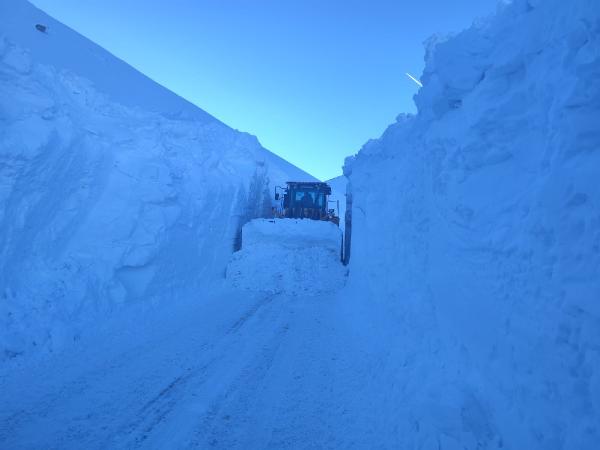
x=268 y=359
x=278 y=355
x=239 y=371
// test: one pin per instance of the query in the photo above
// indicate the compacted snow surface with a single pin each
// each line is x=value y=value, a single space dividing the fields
x=230 y=370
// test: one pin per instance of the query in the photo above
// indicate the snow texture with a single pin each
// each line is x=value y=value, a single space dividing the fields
x=112 y=189
x=481 y=236
x=288 y=256
x=338 y=195
x=248 y=371
x=470 y=318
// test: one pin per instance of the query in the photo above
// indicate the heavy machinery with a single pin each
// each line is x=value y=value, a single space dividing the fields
x=285 y=253
x=306 y=200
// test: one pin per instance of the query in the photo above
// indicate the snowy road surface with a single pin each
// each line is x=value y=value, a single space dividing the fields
x=239 y=371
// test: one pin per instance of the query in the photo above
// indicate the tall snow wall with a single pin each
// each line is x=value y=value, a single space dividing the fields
x=113 y=190
x=479 y=243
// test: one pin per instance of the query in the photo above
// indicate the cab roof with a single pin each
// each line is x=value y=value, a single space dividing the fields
x=308 y=183
x=316 y=185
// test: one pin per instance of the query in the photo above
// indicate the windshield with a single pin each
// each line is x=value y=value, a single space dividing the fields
x=309 y=199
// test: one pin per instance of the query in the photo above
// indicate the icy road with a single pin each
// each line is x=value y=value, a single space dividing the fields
x=244 y=368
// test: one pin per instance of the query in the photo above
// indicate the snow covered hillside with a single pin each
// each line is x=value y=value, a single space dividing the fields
x=481 y=236
x=112 y=188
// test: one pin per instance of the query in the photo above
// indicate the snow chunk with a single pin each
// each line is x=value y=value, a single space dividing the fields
x=292 y=256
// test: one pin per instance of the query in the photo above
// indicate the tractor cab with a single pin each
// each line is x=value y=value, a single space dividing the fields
x=306 y=200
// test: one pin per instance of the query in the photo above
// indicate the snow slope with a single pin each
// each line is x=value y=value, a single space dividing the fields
x=481 y=238
x=112 y=188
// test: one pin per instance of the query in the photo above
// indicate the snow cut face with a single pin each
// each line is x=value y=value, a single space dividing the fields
x=291 y=256
x=482 y=234
x=113 y=190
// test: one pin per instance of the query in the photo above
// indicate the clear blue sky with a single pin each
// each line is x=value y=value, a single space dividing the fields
x=312 y=79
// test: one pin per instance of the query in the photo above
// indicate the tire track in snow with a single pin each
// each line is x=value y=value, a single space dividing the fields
x=215 y=428
x=283 y=397
x=155 y=413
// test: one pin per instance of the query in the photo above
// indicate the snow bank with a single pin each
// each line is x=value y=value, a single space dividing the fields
x=292 y=233
x=291 y=256
x=338 y=194
x=480 y=240
x=112 y=189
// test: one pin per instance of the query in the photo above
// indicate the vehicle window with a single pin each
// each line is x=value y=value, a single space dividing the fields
x=299 y=196
x=319 y=200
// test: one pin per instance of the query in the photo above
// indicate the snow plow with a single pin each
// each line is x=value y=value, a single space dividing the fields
x=305 y=200
x=287 y=253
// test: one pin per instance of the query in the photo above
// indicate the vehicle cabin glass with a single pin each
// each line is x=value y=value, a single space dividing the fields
x=315 y=199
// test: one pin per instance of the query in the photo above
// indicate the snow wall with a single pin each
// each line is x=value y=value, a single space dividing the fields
x=338 y=197
x=112 y=189
x=479 y=244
